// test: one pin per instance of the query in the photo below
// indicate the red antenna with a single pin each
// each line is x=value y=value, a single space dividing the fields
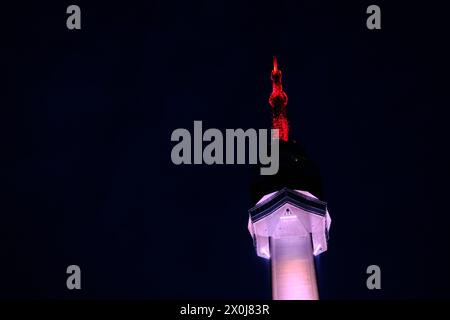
x=278 y=101
x=275 y=65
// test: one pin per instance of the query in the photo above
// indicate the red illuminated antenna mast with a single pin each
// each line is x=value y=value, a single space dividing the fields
x=278 y=101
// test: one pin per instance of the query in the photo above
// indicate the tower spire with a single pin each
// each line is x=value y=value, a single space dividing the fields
x=278 y=101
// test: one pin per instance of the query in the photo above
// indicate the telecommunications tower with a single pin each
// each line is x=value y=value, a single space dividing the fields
x=289 y=223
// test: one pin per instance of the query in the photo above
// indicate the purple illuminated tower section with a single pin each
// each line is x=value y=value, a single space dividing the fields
x=289 y=223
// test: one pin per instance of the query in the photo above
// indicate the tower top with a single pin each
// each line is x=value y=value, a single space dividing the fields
x=278 y=100
x=296 y=170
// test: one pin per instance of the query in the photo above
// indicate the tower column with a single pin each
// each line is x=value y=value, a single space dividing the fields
x=293 y=273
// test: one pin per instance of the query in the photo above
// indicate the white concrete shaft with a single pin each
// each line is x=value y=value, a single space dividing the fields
x=293 y=274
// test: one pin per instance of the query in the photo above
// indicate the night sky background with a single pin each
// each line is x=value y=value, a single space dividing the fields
x=86 y=117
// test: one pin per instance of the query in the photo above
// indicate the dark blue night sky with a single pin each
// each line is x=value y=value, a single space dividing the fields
x=86 y=118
